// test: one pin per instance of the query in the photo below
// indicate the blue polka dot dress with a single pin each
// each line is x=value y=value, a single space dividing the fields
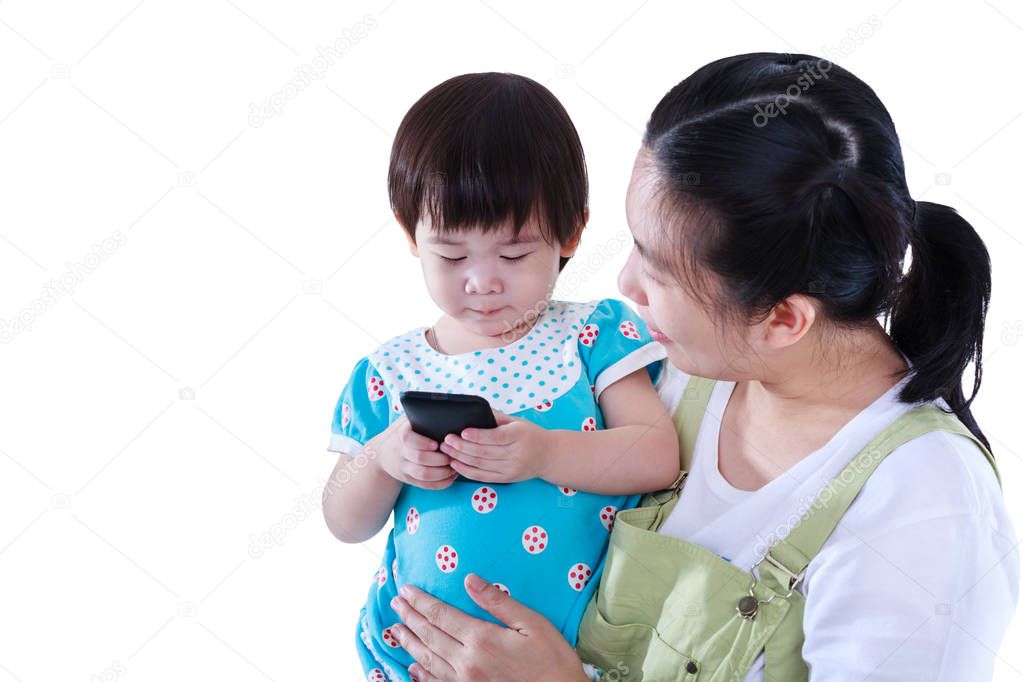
x=542 y=544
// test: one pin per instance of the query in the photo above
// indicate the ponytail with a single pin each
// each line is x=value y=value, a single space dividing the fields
x=937 y=318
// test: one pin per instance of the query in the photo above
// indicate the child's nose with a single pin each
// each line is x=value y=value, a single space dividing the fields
x=483 y=283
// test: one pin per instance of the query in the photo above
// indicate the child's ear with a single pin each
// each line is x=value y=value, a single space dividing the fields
x=568 y=250
x=413 y=247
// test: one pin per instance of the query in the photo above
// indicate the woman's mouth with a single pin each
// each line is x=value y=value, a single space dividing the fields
x=658 y=336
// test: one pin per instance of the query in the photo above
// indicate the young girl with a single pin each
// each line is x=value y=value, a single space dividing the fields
x=487 y=178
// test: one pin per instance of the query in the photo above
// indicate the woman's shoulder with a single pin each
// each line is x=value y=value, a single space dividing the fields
x=938 y=474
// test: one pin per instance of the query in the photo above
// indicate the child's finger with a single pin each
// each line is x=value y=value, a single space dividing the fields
x=427 y=458
x=418 y=441
x=476 y=474
x=454 y=445
x=474 y=461
x=501 y=418
x=496 y=436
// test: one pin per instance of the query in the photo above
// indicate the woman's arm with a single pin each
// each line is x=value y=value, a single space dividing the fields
x=450 y=645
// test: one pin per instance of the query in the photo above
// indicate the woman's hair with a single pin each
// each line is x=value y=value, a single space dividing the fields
x=482 y=148
x=786 y=174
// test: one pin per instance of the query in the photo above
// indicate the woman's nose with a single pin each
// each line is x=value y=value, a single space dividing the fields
x=628 y=284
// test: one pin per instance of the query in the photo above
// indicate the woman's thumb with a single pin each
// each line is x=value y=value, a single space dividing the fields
x=498 y=603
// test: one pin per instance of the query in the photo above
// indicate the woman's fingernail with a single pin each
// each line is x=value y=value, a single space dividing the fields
x=475 y=582
x=394 y=603
x=405 y=591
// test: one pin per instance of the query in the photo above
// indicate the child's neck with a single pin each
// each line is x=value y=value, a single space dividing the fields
x=451 y=338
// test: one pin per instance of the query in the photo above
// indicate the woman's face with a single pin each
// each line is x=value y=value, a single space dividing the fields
x=695 y=341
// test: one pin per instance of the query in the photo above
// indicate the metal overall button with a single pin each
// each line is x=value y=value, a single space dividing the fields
x=749 y=604
x=747 y=607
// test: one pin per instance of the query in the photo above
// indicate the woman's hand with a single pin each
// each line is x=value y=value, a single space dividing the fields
x=514 y=451
x=450 y=645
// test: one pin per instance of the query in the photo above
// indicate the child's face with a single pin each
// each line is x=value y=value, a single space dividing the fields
x=489 y=284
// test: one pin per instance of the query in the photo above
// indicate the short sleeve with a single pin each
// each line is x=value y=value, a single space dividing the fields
x=614 y=342
x=362 y=410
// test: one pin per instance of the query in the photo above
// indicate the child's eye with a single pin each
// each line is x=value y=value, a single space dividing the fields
x=512 y=259
x=451 y=260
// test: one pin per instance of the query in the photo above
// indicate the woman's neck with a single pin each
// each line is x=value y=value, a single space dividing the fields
x=772 y=423
x=840 y=374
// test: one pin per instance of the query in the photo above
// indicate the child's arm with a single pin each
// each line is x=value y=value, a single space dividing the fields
x=357 y=501
x=637 y=452
x=362 y=490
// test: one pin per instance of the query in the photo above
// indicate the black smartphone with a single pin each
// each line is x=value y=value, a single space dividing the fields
x=435 y=415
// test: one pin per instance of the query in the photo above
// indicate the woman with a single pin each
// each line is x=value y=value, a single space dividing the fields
x=771 y=220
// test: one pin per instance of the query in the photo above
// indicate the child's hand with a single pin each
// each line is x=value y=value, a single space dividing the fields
x=412 y=458
x=514 y=451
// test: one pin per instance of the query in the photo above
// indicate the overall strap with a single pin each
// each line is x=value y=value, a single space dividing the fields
x=689 y=415
x=687 y=419
x=788 y=558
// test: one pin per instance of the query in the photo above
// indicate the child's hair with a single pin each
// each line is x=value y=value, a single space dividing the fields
x=481 y=148
x=791 y=173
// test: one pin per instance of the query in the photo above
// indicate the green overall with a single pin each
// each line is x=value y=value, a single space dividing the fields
x=668 y=610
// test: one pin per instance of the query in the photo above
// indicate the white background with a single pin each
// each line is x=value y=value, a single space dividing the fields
x=174 y=403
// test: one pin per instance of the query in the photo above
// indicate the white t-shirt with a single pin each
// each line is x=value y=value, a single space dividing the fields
x=920 y=578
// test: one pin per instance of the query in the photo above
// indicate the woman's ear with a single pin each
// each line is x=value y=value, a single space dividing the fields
x=789 y=321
